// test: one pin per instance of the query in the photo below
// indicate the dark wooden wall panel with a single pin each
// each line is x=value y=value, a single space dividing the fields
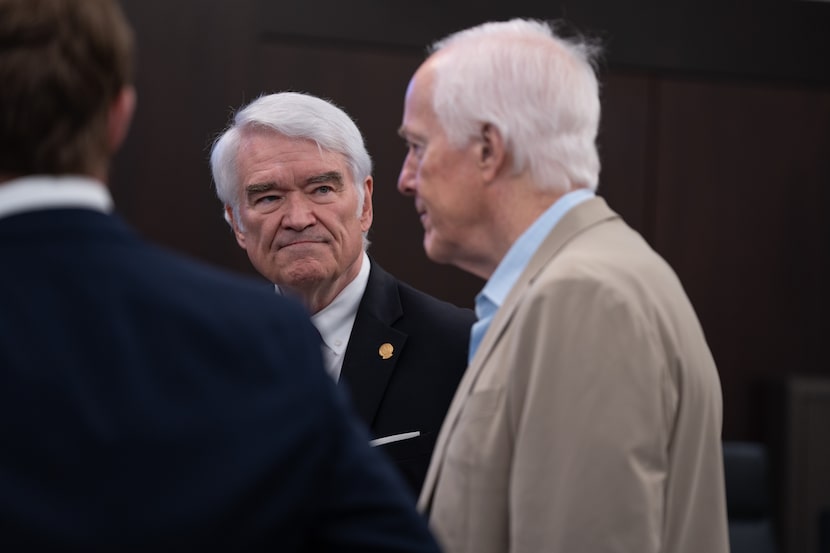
x=625 y=128
x=779 y=39
x=742 y=216
x=194 y=60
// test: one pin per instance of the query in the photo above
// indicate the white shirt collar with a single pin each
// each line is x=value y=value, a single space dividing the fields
x=334 y=321
x=37 y=192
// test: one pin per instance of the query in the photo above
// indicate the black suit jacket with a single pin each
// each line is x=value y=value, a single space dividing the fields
x=411 y=390
x=150 y=403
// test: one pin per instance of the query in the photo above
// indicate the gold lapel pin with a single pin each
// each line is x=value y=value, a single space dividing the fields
x=386 y=350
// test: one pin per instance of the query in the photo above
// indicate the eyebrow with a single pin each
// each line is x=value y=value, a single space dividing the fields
x=328 y=176
x=258 y=187
x=410 y=135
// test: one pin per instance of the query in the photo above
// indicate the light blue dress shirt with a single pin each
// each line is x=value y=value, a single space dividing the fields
x=511 y=266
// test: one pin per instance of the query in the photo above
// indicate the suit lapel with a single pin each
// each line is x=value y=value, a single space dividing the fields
x=369 y=361
x=574 y=222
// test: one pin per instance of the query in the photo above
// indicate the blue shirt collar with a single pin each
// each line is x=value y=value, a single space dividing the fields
x=503 y=279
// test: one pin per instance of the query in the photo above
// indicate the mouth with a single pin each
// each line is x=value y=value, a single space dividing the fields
x=303 y=242
x=300 y=243
x=423 y=215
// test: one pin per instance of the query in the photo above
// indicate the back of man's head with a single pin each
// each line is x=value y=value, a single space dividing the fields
x=62 y=65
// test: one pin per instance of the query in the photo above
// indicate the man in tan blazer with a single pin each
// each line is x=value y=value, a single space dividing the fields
x=589 y=419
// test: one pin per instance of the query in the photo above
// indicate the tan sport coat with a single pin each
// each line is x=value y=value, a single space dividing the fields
x=590 y=418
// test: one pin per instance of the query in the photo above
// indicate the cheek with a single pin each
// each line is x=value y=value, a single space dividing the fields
x=441 y=167
x=259 y=230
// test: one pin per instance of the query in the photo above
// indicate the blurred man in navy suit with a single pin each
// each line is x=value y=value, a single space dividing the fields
x=148 y=402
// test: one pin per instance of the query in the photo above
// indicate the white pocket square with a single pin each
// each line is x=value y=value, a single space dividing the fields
x=394 y=438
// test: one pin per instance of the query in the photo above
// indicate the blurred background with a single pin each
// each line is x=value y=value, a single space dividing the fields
x=715 y=143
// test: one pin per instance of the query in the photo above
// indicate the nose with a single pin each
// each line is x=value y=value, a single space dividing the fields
x=406 y=179
x=298 y=212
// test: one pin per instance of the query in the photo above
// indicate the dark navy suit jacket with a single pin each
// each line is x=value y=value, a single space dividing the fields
x=411 y=390
x=150 y=403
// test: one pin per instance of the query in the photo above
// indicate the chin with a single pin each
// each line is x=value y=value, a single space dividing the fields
x=301 y=272
x=435 y=252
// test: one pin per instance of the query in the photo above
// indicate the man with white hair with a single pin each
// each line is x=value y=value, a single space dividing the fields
x=296 y=182
x=589 y=418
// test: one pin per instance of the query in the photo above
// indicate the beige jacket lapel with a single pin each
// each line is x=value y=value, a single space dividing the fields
x=574 y=222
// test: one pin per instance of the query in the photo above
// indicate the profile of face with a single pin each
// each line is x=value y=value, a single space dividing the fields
x=442 y=178
x=298 y=216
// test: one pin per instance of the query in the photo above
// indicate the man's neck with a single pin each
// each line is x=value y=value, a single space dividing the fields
x=317 y=296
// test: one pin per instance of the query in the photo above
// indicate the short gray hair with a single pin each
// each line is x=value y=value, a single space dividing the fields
x=295 y=115
x=538 y=89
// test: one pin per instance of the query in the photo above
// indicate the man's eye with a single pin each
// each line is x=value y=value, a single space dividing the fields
x=265 y=199
x=415 y=148
x=322 y=190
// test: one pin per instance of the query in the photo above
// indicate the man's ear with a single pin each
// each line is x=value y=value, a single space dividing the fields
x=237 y=232
x=492 y=154
x=366 y=215
x=120 y=117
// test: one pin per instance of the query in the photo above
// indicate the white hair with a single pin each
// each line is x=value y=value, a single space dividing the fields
x=538 y=89
x=294 y=115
